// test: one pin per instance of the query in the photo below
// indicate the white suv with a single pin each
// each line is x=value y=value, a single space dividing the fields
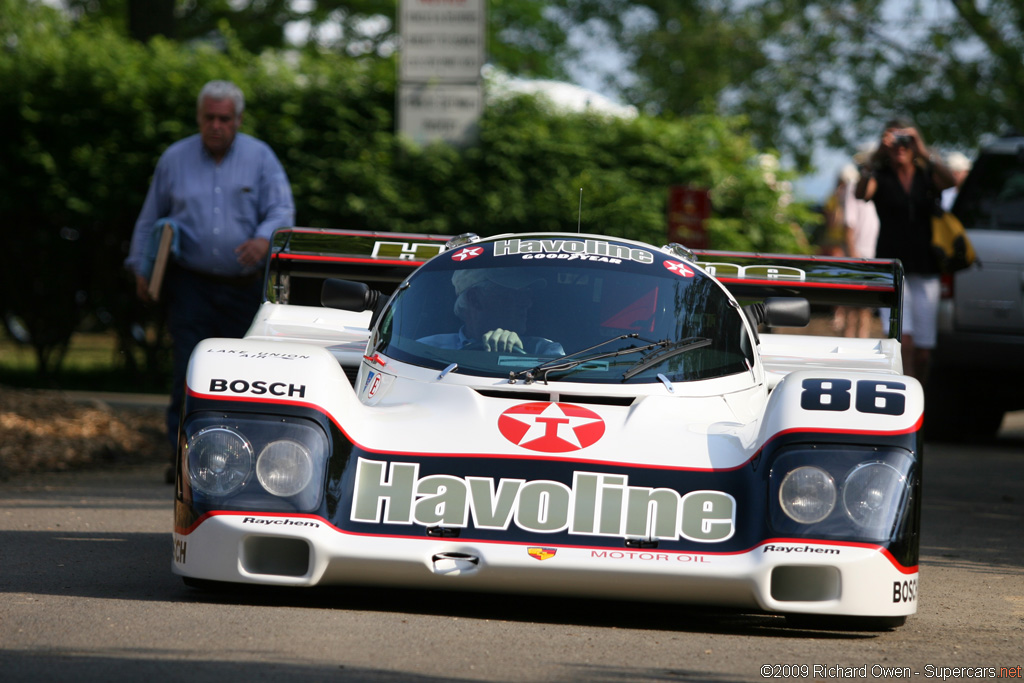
x=978 y=369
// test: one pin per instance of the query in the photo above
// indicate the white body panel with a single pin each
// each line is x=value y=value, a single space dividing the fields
x=856 y=581
x=713 y=424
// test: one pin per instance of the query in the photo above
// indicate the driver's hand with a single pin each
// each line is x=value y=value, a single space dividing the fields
x=503 y=341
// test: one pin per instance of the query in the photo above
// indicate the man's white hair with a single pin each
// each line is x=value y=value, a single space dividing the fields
x=222 y=90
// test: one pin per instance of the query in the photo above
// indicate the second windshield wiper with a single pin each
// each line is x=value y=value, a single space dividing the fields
x=669 y=350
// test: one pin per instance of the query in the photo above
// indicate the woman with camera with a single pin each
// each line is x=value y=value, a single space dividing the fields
x=904 y=180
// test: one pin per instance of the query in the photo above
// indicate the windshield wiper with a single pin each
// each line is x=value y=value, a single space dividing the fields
x=669 y=350
x=566 y=362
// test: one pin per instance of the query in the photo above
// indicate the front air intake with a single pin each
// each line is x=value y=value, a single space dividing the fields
x=800 y=583
x=276 y=556
x=455 y=564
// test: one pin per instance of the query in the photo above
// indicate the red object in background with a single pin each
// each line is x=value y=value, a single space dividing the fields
x=688 y=208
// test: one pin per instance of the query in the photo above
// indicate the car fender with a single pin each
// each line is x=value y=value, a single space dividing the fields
x=838 y=402
x=267 y=371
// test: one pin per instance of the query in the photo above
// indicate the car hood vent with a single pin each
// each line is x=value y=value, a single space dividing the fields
x=597 y=400
x=563 y=398
x=515 y=395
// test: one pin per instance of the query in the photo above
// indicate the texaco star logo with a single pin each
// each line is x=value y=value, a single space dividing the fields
x=551 y=427
x=467 y=253
x=679 y=268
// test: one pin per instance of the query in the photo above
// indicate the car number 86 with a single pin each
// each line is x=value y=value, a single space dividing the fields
x=871 y=396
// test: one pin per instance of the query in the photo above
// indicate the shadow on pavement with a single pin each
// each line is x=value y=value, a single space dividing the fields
x=136 y=566
x=974 y=502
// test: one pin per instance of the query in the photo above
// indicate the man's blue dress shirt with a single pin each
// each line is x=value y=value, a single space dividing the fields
x=217 y=206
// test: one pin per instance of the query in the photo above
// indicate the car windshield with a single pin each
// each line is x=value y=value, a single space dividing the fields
x=507 y=307
x=992 y=197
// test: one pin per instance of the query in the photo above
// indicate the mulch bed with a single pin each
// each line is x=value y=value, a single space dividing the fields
x=44 y=431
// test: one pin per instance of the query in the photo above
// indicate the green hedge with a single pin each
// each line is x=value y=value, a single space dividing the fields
x=86 y=114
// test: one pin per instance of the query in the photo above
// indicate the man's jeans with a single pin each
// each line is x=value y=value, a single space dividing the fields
x=199 y=307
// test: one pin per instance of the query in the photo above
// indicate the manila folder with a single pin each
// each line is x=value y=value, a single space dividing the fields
x=163 y=252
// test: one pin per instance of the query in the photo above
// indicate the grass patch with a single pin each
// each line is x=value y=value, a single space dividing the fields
x=93 y=363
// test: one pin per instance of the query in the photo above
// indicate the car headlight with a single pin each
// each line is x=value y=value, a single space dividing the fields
x=284 y=467
x=219 y=460
x=807 y=494
x=872 y=495
x=290 y=468
x=843 y=491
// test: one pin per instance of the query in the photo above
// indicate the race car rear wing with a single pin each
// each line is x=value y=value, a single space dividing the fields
x=301 y=258
x=822 y=280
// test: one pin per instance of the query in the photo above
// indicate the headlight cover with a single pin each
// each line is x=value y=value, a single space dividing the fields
x=220 y=460
x=807 y=494
x=872 y=494
x=256 y=462
x=865 y=491
x=284 y=467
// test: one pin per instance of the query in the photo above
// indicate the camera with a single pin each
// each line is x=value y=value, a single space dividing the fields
x=902 y=140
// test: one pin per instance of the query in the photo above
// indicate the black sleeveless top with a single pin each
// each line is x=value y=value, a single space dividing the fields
x=905 y=220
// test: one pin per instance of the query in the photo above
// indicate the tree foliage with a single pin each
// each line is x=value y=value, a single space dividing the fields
x=831 y=71
x=523 y=36
x=87 y=112
x=802 y=72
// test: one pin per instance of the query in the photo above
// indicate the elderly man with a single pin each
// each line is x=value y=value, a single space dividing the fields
x=225 y=193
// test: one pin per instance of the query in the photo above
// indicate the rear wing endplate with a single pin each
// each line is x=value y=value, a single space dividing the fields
x=822 y=280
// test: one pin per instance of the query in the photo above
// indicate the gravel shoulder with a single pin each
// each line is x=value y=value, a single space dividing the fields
x=52 y=431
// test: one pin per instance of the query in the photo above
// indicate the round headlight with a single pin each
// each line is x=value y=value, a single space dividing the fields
x=284 y=468
x=807 y=494
x=219 y=460
x=872 y=495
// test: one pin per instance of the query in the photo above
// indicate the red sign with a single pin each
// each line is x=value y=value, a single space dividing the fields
x=551 y=427
x=688 y=208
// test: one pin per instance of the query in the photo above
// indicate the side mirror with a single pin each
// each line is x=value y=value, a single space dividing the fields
x=787 y=311
x=779 y=311
x=348 y=295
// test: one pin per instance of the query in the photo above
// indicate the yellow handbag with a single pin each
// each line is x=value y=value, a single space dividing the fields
x=953 y=250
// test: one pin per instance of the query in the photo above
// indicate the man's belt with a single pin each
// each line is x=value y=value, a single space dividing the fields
x=232 y=280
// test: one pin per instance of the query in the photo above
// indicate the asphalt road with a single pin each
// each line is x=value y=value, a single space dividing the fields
x=86 y=594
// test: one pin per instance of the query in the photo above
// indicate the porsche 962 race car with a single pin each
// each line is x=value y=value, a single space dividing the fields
x=563 y=414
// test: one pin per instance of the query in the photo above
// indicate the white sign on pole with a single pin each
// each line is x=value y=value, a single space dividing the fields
x=440 y=94
x=428 y=112
x=442 y=40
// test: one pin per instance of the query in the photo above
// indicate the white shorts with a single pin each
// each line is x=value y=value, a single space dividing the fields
x=920 y=309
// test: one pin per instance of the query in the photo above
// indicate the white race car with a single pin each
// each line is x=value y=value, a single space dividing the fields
x=562 y=414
